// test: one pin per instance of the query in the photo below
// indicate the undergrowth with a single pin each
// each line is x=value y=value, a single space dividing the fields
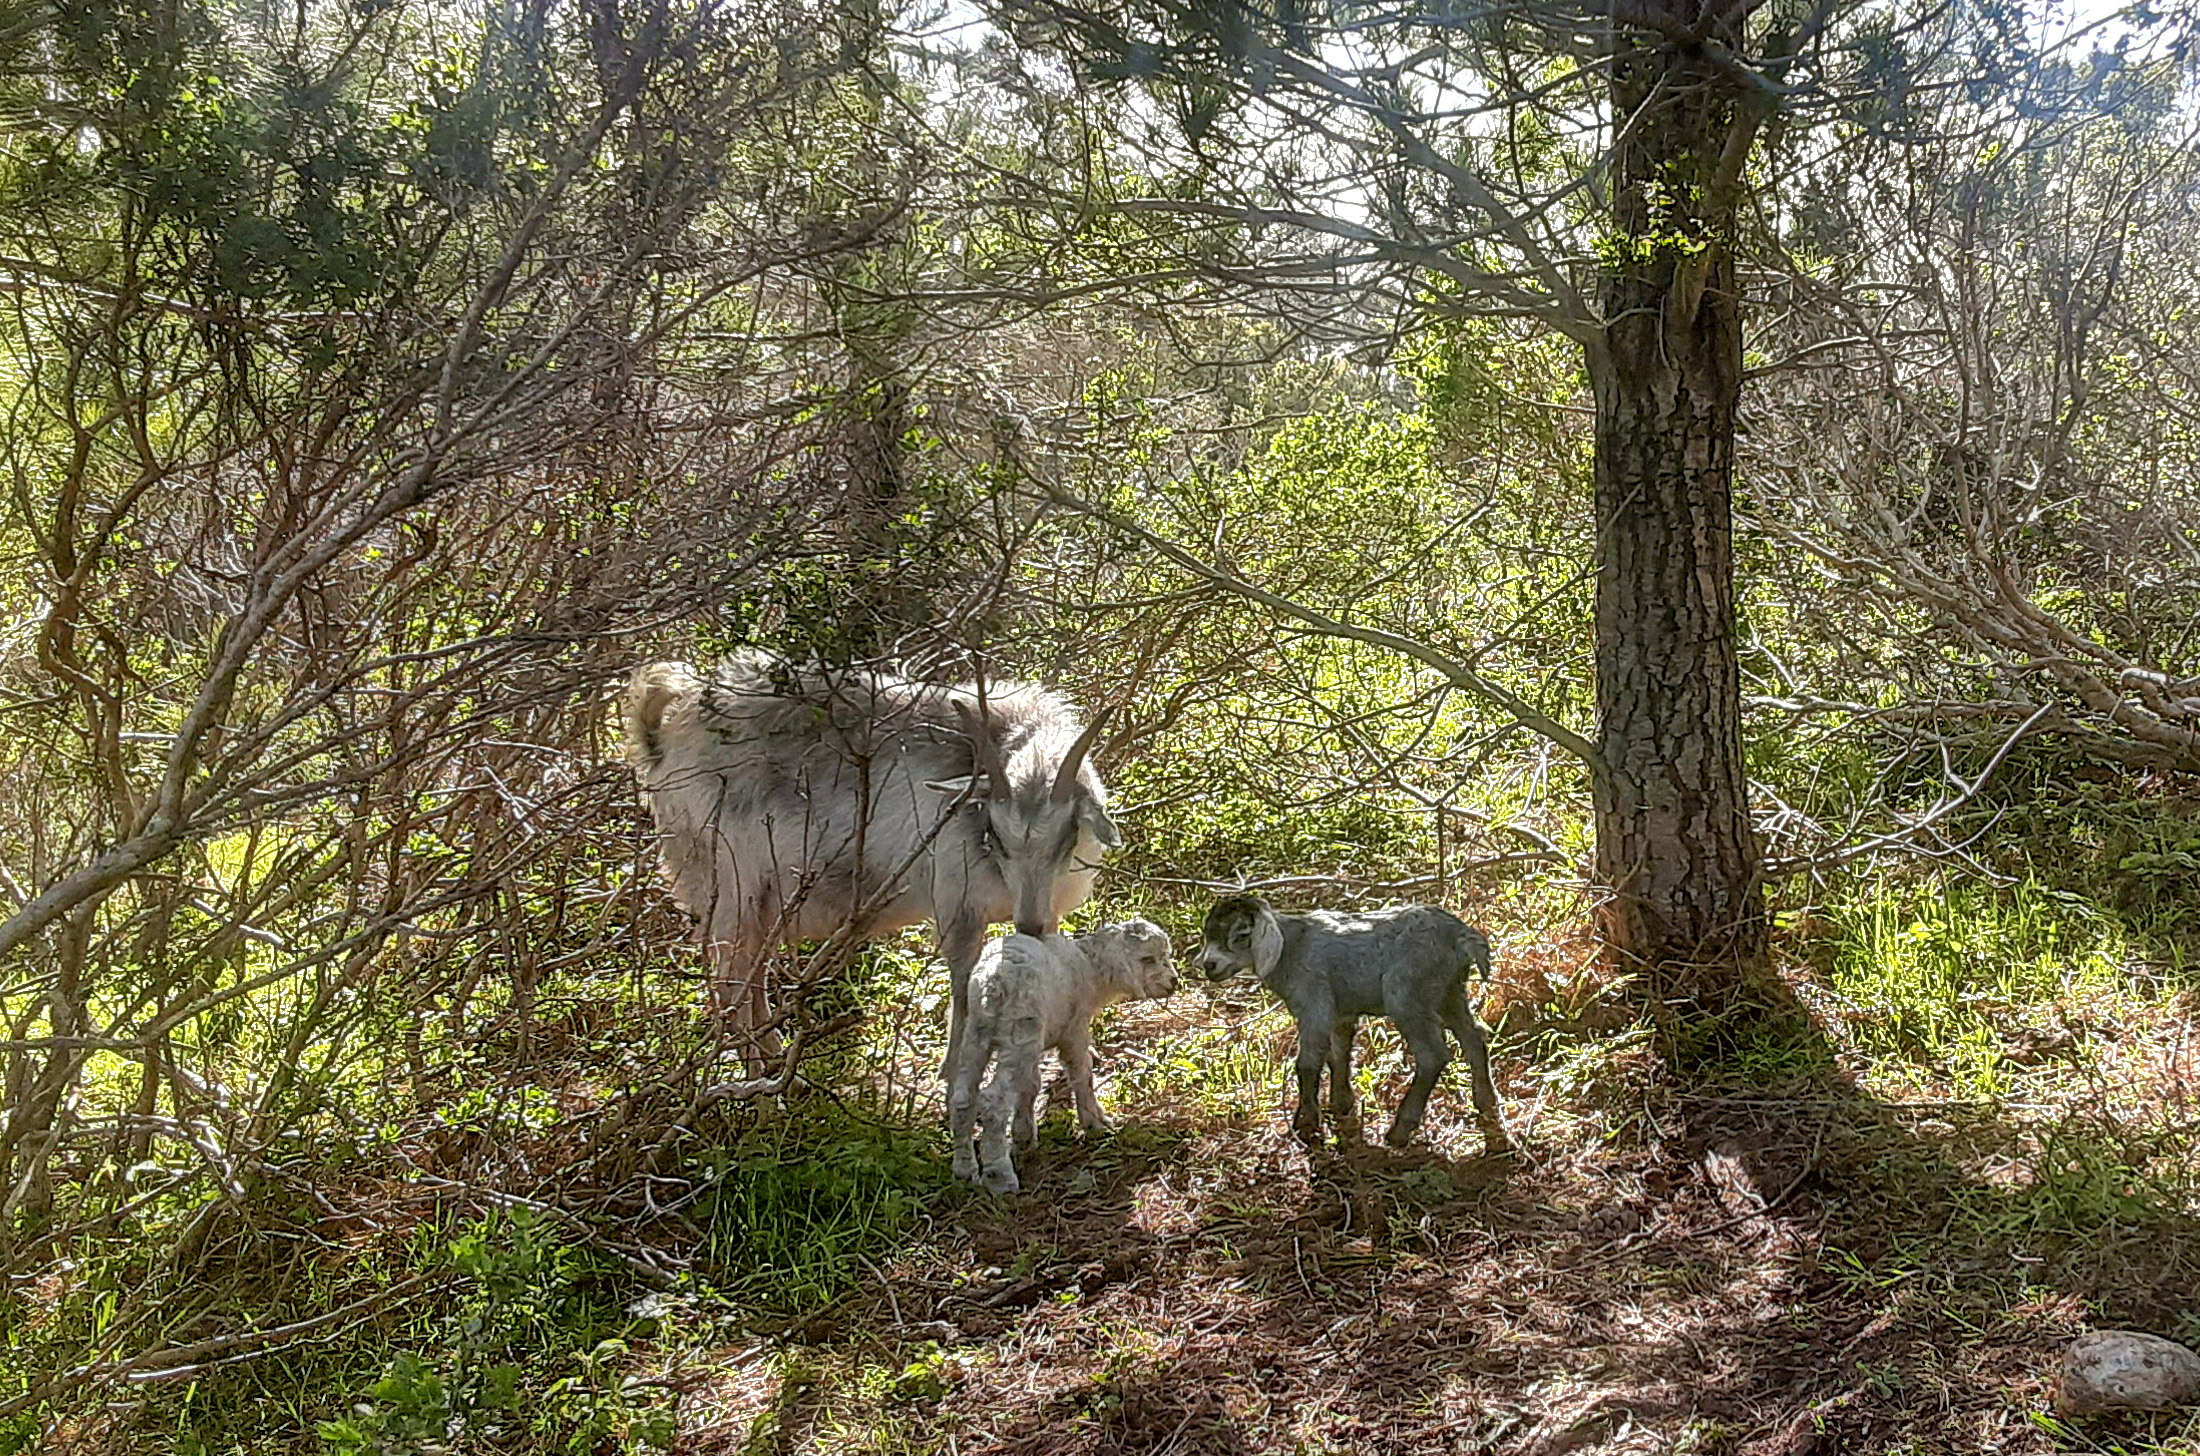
x=1962 y=981
x=2009 y=1046
x=796 y=1207
x=535 y=1349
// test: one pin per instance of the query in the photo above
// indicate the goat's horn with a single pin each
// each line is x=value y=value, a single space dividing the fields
x=984 y=758
x=1065 y=778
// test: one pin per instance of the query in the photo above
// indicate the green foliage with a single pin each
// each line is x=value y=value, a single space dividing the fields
x=2107 y=840
x=1938 y=971
x=20 y=1433
x=1454 y=516
x=284 y=181
x=797 y=1205
x=927 y=1377
x=527 y=1351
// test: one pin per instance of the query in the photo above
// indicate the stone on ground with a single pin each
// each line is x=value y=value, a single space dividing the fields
x=2123 y=1370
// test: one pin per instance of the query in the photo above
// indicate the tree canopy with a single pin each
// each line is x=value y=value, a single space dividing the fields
x=1712 y=489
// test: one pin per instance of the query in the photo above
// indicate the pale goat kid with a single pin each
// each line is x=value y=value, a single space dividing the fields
x=1027 y=994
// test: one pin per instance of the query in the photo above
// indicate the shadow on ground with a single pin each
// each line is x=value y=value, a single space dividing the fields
x=1671 y=1264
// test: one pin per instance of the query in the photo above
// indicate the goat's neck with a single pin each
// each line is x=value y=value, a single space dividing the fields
x=1080 y=956
x=1111 y=993
x=1293 y=930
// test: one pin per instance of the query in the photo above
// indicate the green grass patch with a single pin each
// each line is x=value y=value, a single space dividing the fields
x=1222 y=1067
x=1941 y=974
x=797 y=1204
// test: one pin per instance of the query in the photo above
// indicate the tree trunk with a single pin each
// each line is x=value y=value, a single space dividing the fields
x=1675 y=857
x=890 y=603
x=876 y=424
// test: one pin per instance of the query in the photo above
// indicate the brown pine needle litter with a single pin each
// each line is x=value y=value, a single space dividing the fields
x=1811 y=1268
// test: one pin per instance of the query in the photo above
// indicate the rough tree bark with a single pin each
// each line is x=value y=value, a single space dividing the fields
x=877 y=431
x=1675 y=855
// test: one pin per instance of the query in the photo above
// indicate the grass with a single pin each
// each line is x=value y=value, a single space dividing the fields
x=792 y=1211
x=1877 y=1228
x=1962 y=981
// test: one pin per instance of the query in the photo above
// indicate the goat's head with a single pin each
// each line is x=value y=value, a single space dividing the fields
x=1146 y=959
x=1240 y=934
x=1038 y=826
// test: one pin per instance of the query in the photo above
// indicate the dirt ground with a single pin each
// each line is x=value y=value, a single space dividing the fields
x=1659 y=1268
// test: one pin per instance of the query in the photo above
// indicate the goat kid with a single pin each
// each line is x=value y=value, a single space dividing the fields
x=1027 y=994
x=1409 y=964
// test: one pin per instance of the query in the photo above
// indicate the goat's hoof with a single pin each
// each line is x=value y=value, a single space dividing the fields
x=1398 y=1137
x=966 y=1172
x=1308 y=1133
x=1002 y=1180
x=1099 y=1127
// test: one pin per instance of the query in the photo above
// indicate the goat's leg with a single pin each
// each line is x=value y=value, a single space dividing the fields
x=770 y=1046
x=1306 y=1120
x=961 y=939
x=1460 y=1017
x=1027 y=1100
x=720 y=957
x=726 y=968
x=1344 y=1106
x=738 y=1006
x=1077 y=1060
x=1430 y=1056
x=997 y=1166
x=962 y=1112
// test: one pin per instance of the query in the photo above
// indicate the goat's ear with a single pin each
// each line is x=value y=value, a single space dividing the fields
x=974 y=785
x=1095 y=818
x=1267 y=942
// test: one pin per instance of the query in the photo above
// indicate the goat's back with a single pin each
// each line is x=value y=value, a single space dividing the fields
x=1362 y=949
x=1021 y=972
x=764 y=734
x=1417 y=926
x=862 y=712
x=1023 y=992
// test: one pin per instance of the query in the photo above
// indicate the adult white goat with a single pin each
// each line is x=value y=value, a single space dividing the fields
x=799 y=802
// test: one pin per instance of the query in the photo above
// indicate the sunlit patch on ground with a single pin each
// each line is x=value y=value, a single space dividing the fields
x=1842 y=1252
x=1660 y=1270
x=730 y=1396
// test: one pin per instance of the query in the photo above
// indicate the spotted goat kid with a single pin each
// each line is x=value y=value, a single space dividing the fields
x=1027 y=994
x=1409 y=964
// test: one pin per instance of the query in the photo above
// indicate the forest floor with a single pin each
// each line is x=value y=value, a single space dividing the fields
x=1826 y=1257
x=1970 y=1137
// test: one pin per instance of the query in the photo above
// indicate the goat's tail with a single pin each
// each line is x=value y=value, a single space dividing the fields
x=649 y=695
x=1458 y=1012
x=1476 y=945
